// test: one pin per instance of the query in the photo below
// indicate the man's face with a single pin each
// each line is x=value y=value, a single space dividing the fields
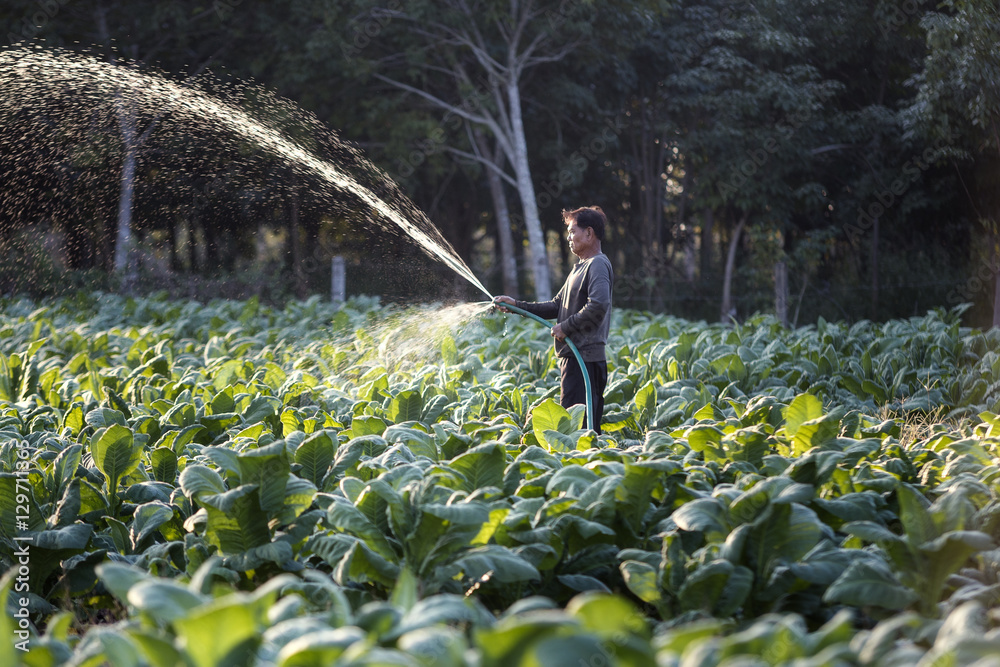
x=580 y=238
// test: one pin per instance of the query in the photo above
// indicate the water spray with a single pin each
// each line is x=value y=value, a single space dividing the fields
x=572 y=347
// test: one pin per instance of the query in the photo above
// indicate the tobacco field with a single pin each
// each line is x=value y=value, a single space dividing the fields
x=366 y=484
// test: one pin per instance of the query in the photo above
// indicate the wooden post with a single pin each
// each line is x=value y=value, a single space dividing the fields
x=338 y=280
x=781 y=292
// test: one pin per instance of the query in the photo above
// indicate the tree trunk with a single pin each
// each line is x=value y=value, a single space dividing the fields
x=874 y=271
x=508 y=261
x=125 y=265
x=537 y=255
x=781 y=292
x=299 y=277
x=690 y=263
x=192 y=243
x=175 y=260
x=505 y=236
x=798 y=302
x=708 y=222
x=79 y=246
x=727 y=311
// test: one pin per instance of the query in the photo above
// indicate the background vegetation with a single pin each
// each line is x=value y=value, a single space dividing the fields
x=843 y=154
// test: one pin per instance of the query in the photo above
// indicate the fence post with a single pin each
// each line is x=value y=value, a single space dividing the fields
x=338 y=280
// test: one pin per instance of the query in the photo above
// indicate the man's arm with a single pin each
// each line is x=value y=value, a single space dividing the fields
x=590 y=317
x=545 y=309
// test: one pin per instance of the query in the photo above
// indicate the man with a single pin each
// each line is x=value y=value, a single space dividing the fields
x=582 y=310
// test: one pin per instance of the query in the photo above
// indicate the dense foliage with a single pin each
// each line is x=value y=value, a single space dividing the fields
x=235 y=484
x=840 y=149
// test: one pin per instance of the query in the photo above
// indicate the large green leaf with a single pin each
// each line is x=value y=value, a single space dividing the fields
x=914 y=514
x=514 y=639
x=707 y=515
x=607 y=616
x=260 y=409
x=315 y=456
x=115 y=453
x=642 y=580
x=196 y=480
x=481 y=466
x=494 y=562
x=361 y=564
x=320 y=647
x=870 y=583
x=147 y=520
x=440 y=645
x=299 y=495
x=236 y=521
x=163 y=462
x=707 y=439
x=178 y=439
x=405 y=406
x=8 y=504
x=104 y=417
x=67 y=463
x=69 y=506
x=268 y=468
x=784 y=535
x=164 y=600
x=718 y=587
x=221 y=633
x=119 y=578
x=634 y=496
x=444 y=608
x=645 y=399
x=804 y=408
x=550 y=416
x=343 y=516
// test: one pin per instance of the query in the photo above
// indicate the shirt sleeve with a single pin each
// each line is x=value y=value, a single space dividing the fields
x=547 y=310
x=590 y=317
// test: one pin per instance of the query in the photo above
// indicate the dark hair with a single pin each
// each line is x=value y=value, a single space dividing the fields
x=588 y=216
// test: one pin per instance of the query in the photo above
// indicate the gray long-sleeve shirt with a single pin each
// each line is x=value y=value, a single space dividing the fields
x=582 y=306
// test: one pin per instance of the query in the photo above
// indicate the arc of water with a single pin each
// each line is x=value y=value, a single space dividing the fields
x=191 y=101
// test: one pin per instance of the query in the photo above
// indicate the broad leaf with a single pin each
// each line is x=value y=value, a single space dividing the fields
x=115 y=453
x=870 y=583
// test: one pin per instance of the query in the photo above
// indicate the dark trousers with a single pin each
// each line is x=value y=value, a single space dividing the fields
x=574 y=391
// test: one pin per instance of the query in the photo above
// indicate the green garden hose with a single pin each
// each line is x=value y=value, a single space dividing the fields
x=572 y=347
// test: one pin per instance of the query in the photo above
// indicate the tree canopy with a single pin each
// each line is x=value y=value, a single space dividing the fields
x=833 y=159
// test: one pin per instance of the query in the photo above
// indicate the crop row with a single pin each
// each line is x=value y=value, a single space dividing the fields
x=233 y=484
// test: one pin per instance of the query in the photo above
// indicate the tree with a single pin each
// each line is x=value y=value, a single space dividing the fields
x=470 y=59
x=958 y=101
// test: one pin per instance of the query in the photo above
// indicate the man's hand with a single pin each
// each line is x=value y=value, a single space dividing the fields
x=557 y=332
x=498 y=300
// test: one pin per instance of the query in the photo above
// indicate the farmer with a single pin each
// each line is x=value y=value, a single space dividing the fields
x=582 y=310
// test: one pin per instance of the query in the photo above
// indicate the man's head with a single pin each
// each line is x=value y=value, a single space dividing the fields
x=585 y=230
